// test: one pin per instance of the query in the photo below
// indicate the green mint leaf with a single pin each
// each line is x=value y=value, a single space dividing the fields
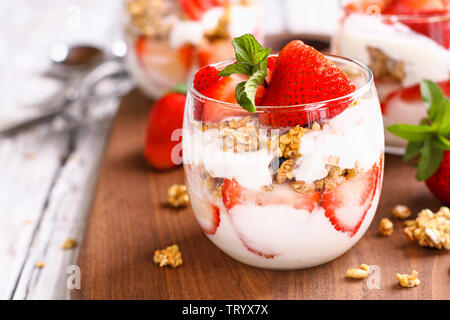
x=412 y=150
x=441 y=142
x=248 y=50
x=433 y=97
x=240 y=67
x=180 y=88
x=246 y=90
x=430 y=160
x=411 y=132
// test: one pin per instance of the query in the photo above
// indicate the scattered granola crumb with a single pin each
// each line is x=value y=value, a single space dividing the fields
x=386 y=227
x=408 y=280
x=360 y=273
x=401 y=212
x=28 y=221
x=40 y=264
x=69 y=244
x=169 y=256
x=178 y=196
x=430 y=230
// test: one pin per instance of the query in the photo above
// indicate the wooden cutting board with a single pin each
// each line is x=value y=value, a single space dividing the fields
x=130 y=219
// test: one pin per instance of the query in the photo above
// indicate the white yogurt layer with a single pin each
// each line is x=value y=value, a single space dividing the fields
x=249 y=169
x=353 y=137
x=423 y=57
x=243 y=19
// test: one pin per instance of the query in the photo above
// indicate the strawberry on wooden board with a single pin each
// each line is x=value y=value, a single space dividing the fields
x=347 y=205
x=165 y=117
x=429 y=142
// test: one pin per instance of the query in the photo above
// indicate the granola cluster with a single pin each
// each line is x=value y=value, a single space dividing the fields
x=401 y=212
x=245 y=135
x=384 y=67
x=360 y=273
x=170 y=256
x=386 y=227
x=429 y=229
x=408 y=280
x=147 y=16
x=178 y=196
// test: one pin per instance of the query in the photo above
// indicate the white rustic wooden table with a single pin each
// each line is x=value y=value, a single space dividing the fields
x=47 y=175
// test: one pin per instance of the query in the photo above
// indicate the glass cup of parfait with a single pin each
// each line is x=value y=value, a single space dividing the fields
x=168 y=40
x=288 y=176
x=403 y=42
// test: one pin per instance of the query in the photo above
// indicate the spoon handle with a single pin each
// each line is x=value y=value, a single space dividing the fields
x=29 y=123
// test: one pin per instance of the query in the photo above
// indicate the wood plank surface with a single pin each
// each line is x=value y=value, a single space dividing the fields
x=130 y=219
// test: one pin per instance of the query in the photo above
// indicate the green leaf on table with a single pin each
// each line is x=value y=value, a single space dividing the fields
x=430 y=160
x=180 y=88
x=412 y=150
x=433 y=97
x=411 y=132
x=441 y=142
x=443 y=119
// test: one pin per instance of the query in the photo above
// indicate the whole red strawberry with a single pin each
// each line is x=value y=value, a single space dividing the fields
x=303 y=75
x=165 y=117
x=430 y=141
x=439 y=183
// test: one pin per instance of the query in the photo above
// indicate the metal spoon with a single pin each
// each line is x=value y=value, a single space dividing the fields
x=74 y=61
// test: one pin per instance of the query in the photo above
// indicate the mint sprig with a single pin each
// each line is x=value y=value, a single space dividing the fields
x=429 y=139
x=251 y=60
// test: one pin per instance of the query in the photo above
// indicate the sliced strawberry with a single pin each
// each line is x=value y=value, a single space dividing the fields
x=410 y=96
x=347 y=204
x=162 y=62
x=165 y=117
x=233 y=194
x=303 y=75
x=367 y=6
x=196 y=8
x=211 y=222
x=414 y=7
x=210 y=52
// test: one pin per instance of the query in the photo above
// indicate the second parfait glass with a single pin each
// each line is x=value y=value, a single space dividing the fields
x=401 y=50
x=285 y=197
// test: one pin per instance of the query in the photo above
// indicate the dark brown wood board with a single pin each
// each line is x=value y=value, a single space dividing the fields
x=130 y=219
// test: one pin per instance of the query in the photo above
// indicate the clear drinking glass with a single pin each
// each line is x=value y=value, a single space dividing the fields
x=285 y=197
x=401 y=51
x=168 y=42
